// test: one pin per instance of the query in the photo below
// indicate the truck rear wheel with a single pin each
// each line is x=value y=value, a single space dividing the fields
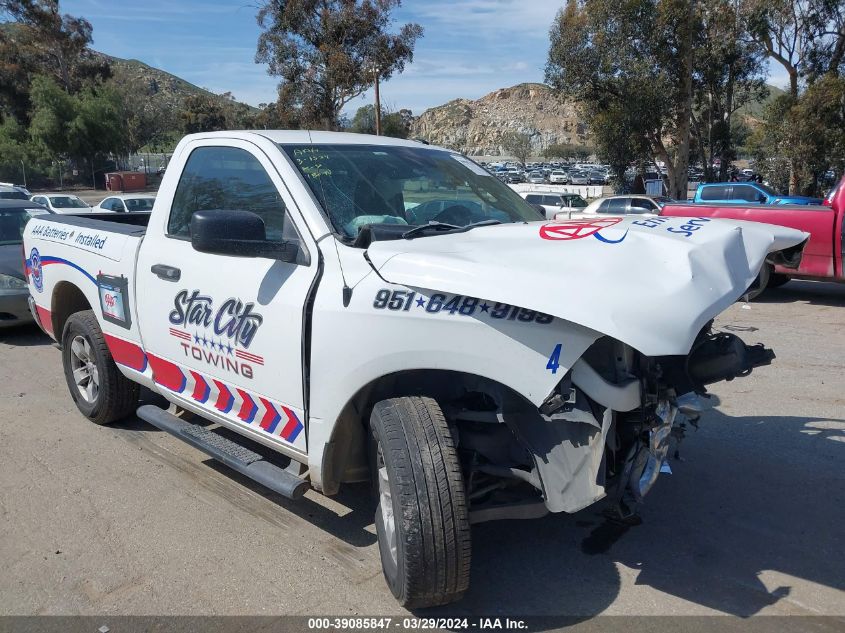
x=101 y=393
x=421 y=518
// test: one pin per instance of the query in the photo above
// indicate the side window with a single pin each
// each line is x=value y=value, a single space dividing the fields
x=552 y=201
x=641 y=205
x=717 y=192
x=227 y=178
x=744 y=192
x=533 y=198
x=614 y=205
x=108 y=203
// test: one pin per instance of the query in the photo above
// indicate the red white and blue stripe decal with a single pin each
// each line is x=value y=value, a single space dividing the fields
x=237 y=404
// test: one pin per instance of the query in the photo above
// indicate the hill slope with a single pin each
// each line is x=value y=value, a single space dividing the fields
x=476 y=127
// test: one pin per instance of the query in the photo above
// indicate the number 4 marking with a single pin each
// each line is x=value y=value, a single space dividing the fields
x=554 y=359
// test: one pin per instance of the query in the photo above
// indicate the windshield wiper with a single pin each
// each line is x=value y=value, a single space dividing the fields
x=435 y=227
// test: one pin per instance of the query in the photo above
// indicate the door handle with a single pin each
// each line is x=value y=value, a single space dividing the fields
x=168 y=273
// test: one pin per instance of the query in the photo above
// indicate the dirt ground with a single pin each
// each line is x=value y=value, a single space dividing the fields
x=128 y=520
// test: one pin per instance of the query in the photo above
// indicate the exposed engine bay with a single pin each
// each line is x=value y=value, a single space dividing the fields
x=606 y=430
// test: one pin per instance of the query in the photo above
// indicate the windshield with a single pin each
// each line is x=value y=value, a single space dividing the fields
x=13 y=195
x=576 y=202
x=359 y=185
x=67 y=202
x=12 y=223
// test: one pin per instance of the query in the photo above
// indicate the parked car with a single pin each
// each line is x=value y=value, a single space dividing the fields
x=745 y=192
x=619 y=205
x=823 y=255
x=125 y=203
x=62 y=202
x=597 y=177
x=559 y=177
x=465 y=395
x=579 y=178
x=553 y=203
x=14 y=292
x=11 y=192
x=536 y=178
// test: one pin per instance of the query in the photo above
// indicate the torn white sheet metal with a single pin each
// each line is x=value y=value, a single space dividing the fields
x=650 y=282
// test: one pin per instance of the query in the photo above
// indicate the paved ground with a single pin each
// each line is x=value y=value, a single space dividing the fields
x=128 y=520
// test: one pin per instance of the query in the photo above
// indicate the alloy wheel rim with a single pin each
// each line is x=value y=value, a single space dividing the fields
x=388 y=521
x=84 y=369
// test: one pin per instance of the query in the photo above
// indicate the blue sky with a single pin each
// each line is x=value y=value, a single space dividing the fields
x=470 y=48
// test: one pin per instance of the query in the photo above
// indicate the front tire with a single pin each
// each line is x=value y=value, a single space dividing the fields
x=421 y=520
x=101 y=393
x=760 y=283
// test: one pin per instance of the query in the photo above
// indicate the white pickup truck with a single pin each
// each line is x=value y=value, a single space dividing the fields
x=378 y=309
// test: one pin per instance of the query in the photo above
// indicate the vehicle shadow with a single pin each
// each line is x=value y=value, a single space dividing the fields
x=812 y=292
x=29 y=335
x=752 y=499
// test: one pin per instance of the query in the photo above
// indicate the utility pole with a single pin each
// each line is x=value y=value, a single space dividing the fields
x=23 y=167
x=376 y=71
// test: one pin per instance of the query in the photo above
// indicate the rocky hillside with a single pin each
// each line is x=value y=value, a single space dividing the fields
x=476 y=127
x=154 y=83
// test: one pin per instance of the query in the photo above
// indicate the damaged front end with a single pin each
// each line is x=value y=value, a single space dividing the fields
x=606 y=429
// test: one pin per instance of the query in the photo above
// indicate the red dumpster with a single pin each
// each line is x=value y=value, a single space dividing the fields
x=126 y=181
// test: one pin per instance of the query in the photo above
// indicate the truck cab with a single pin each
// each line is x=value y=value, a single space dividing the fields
x=744 y=193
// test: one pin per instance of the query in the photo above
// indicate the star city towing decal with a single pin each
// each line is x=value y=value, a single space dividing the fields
x=579 y=229
x=218 y=334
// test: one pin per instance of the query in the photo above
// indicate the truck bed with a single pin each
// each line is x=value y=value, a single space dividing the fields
x=819 y=221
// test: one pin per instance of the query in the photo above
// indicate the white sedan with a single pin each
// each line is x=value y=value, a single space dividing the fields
x=126 y=203
x=618 y=205
x=62 y=202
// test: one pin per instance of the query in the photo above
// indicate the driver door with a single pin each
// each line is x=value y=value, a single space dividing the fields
x=223 y=334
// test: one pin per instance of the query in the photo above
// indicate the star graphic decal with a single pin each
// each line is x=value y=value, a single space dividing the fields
x=196 y=339
x=229 y=349
x=420 y=302
x=204 y=341
x=485 y=307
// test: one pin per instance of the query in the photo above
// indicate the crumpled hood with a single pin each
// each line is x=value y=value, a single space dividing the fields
x=652 y=283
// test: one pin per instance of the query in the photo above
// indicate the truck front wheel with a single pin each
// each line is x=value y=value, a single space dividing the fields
x=101 y=393
x=421 y=518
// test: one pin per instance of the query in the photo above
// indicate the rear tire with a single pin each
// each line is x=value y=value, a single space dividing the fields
x=421 y=520
x=101 y=393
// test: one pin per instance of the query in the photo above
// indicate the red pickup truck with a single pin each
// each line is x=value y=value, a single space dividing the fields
x=825 y=250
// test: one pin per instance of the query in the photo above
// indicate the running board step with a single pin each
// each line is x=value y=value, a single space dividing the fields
x=232 y=454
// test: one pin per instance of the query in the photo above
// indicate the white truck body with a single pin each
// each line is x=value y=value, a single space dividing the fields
x=292 y=354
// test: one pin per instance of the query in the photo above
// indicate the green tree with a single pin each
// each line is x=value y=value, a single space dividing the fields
x=518 y=145
x=40 y=40
x=203 y=113
x=729 y=73
x=394 y=124
x=76 y=126
x=633 y=58
x=802 y=138
x=327 y=52
x=561 y=150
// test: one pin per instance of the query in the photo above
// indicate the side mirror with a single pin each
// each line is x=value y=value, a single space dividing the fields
x=761 y=198
x=237 y=233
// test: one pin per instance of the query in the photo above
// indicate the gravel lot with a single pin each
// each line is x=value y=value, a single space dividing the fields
x=128 y=520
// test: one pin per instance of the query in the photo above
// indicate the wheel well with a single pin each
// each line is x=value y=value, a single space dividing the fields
x=67 y=300
x=348 y=460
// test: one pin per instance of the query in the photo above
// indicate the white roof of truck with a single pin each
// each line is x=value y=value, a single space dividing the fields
x=300 y=137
